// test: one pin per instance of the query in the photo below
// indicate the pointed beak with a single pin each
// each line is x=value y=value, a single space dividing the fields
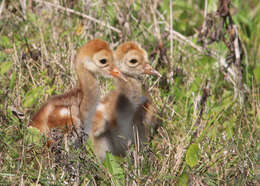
x=148 y=69
x=116 y=73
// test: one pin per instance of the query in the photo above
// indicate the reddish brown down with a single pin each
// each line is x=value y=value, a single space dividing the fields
x=75 y=107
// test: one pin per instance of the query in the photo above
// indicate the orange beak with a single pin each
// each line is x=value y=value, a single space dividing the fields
x=116 y=73
x=148 y=69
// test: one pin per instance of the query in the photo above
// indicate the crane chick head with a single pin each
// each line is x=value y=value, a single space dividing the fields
x=97 y=57
x=132 y=60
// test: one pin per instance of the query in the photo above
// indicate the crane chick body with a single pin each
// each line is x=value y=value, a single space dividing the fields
x=122 y=110
x=76 y=107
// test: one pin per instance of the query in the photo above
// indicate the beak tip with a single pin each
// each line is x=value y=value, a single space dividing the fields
x=151 y=71
x=116 y=73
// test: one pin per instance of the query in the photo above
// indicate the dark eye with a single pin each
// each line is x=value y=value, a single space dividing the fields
x=103 y=61
x=133 y=61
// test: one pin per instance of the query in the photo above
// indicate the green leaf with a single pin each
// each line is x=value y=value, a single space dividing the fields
x=212 y=5
x=5 y=42
x=89 y=147
x=2 y=56
x=5 y=67
x=12 y=81
x=34 y=136
x=257 y=74
x=183 y=180
x=206 y=60
x=112 y=164
x=32 y=17
x=32 y=96
x=192 y=155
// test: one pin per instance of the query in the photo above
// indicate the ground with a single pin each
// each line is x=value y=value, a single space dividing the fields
x=208 y=98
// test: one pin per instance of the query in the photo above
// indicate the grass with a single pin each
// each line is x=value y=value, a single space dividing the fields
x=207 y=136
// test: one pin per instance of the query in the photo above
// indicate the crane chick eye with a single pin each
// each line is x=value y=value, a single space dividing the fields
x=133 y=61
x=103 y=61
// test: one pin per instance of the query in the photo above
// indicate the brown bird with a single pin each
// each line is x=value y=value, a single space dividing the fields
x=76 y=107
x=126 y=108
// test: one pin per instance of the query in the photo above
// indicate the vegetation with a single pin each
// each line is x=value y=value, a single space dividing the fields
x=208 y=98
